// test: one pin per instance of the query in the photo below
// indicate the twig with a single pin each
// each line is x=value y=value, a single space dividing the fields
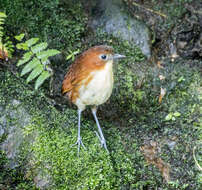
x=150 y=10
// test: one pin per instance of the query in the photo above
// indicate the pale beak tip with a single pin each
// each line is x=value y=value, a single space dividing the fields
x=118 y=56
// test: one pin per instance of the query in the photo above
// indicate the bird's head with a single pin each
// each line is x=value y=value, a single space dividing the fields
x=98 y=56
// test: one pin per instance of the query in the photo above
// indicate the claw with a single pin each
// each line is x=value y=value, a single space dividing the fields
x=102 y=141
x=79 y=143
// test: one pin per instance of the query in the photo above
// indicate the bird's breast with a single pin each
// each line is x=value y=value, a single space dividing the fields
x=97 y=87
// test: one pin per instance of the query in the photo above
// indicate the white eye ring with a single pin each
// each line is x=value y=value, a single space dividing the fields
x=103 y=57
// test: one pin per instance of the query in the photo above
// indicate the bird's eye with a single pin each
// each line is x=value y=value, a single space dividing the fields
x=103 y=56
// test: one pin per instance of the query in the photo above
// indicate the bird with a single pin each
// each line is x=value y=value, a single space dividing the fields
x=89 y=82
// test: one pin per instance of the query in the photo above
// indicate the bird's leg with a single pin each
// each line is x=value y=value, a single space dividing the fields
x=79 y=141
x=100 y=135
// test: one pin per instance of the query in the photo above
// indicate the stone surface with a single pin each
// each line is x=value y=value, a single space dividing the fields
x=111 y=17
x=12 y=119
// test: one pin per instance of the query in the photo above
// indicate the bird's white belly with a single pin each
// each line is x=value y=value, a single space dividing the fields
x=99 y=89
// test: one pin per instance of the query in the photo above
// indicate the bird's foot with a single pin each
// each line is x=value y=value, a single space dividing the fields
x=79 y=143
x=102 y=141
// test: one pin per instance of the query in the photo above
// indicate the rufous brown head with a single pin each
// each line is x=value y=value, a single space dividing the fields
x=98 y=56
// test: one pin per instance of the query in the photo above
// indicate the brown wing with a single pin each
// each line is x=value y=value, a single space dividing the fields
x=73 y=79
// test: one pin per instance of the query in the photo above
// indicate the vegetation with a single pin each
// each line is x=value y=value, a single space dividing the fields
x=36 y=60
x=60 y=23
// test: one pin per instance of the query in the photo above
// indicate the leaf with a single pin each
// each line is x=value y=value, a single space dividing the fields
x=26 y=57
x=23 y=46
x=36 y=72
x=72 y=55
x=2 y=15
x=20 y=36
x=44 y=75
x=31 y=65
x=177 y=114
x=32 y=41
x=45 y=60
x=39 y=47
x=69 y=57
x=47 y=53
x=181 y=79
x=169 y=117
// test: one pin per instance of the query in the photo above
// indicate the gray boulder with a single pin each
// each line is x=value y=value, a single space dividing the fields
x=111 y=17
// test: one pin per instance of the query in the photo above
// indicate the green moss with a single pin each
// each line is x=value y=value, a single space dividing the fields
x=13 y=178
x=60 y=23
x=94 y=169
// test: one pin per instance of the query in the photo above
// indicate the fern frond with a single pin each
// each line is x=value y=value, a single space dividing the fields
x=40 y=80
x=31 y=65
x=47 y=53
x=31 y=41
x=35 y=73
x=2 y=20
x=39 y=47
x=36 y=60
x=26 y=57
x=2 y=15
x=20 y=37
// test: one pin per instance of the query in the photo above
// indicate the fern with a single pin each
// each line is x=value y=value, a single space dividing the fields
x=35 y=60
x=6 y=45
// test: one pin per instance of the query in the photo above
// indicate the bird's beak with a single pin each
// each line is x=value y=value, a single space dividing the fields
x=118 y=56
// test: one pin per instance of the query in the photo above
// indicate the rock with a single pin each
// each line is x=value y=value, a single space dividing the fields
x=42 y=181
x=110 y=17
x=12 y=119
x=1 y=131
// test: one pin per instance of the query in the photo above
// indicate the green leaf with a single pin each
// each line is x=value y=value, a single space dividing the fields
x=2 y=15
x=23 y=46
x=177 y=114
x=39 y=47
x=72 y=55
x=31 y=65
x=36 y=72
x=32 y=41
x=45 y=60
x=26 y=57
x=20 y=37
x=40 y=80
x=47 y=53
x=181 y=79
x=69 y=56
x=169 y=117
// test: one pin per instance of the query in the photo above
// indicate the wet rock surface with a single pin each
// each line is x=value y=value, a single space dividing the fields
x=111 y=16
x=11 y=117
x=175 y=22
x=189 y=35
